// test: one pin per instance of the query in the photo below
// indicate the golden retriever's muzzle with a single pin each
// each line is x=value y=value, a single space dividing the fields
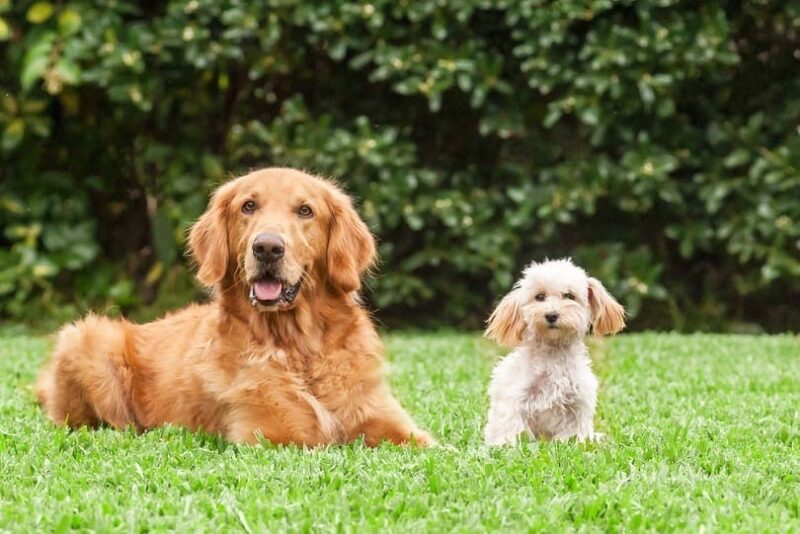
x=268 y=287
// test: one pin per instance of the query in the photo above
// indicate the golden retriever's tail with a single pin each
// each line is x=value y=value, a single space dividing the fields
x=89 y=379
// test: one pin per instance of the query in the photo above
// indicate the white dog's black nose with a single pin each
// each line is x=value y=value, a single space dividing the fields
x=268 y=247
x=551 y=317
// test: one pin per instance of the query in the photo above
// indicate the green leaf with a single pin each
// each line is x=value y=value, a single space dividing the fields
x=162 y=235
x=13 y=134
x=36 y=59
x=69 y=21
x=552 y=117
x=44 y=268
x=40 y=12
x=11 y=205
x=8 y=104
x=737 y=157
x=34 y=106
x=665 y=107
x=646 y=93
x=5 y=30
x=589 y=115
x=68 y=71
x=33 y=71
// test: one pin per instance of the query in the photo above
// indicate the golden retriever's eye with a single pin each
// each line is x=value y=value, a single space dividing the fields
x=249 y=207
x=540 y=297
x=569 y=296
x=305 y=211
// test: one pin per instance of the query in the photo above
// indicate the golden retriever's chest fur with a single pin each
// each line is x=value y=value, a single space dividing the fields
x=320 y=387
x=228 y=372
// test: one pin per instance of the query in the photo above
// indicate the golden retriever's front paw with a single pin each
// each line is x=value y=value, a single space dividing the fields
x=423 y=439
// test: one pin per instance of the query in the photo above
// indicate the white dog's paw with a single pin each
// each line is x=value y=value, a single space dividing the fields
x=597 y=437
x=594 y=437
x=591 y=437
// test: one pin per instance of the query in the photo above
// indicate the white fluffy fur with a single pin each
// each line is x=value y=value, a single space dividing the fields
x=546 y=386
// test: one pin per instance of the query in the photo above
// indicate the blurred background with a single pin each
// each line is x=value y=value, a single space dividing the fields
x=656 y=142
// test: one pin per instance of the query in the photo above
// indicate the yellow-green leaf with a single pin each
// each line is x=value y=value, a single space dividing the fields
x=69 y=21
x=34 y=106
x=70 y=102
x=68 y=71
x=13 y=134
x=5 y=5
x=5 y=30
x=44 y=269
x=40 y=12
x=8 y=104
x=155 y=273
x=12 y=205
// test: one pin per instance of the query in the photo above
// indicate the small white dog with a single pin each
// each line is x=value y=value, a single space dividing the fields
x=546 y=386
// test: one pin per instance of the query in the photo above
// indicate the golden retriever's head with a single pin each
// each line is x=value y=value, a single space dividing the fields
x=277 y=234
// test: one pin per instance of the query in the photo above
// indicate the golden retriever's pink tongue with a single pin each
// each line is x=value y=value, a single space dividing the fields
x=268 y=290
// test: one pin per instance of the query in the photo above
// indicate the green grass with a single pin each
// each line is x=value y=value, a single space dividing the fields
x=702 y=431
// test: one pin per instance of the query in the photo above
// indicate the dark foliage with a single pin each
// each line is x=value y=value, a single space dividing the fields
x=654 y=141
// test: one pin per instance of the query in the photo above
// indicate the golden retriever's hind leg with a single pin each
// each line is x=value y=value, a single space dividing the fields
x=63 y=400
x=89 y=379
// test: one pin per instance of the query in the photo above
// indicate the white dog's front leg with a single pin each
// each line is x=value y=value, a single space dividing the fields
x=581 y=427
x=503 y=428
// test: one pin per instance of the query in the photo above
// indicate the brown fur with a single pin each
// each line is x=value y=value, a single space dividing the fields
x=608 y=315
x=506 y=325
x=309 y=373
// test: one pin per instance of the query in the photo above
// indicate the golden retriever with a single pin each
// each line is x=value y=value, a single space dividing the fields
x=284 y=351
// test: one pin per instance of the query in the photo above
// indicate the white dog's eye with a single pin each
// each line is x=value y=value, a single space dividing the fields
x=539 y=297
x=569 y=296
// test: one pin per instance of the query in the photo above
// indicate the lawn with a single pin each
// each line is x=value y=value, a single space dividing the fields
x=702 y=431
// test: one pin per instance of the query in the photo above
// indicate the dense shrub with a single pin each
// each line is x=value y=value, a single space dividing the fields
x=655 y=141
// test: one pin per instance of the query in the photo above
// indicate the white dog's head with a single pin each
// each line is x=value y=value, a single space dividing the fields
x=555 y=302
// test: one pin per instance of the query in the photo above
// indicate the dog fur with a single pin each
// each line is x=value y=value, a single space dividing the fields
x=303 y=368
x=546 y=387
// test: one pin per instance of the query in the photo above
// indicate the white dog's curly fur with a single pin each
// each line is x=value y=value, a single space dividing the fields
x=546 y=386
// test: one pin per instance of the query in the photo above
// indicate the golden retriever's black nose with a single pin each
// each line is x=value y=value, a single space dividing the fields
x=268 y=247
x=551 y=317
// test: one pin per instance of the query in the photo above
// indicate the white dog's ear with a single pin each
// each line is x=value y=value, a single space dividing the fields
x=608 y=316
x=506 y=323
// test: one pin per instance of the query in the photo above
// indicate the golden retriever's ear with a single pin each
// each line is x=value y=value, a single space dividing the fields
x=351 y=247
x=208 y=240
x=506 y=324
x=608 y=316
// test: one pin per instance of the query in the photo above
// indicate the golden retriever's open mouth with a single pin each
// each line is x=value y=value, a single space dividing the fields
x=272 y=291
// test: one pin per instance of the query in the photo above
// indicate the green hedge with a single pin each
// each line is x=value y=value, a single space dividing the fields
x=655 y=141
